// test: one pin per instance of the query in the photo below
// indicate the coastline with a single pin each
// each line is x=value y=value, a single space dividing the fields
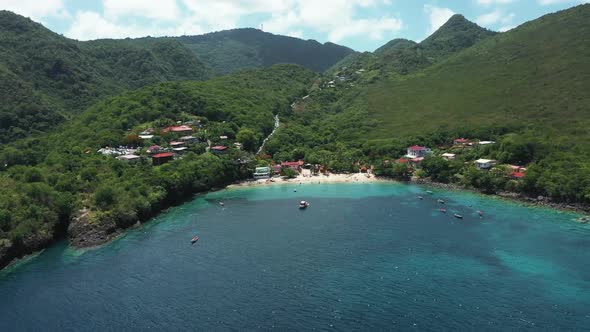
x=307 y=178
x=330 y=178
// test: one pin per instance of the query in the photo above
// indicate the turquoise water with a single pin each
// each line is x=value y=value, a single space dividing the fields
x=363 y=257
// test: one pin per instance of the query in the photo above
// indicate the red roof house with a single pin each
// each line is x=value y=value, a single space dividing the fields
x=154 y=149
x=518 y=175
x=162 y=158
x=418 y=151
x=219 y=149
x=296 y=165
x=461 y=141
x=178 y=129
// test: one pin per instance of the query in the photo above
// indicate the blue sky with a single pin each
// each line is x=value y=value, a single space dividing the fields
x=360 y=24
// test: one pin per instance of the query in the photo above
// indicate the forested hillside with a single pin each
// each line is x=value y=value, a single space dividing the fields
x=402 y=56
x=525 y=89
x=45 y=77
x=47 y=180
x=232 y=50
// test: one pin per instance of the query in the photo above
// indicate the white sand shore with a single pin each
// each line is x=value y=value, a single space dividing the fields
x=306 y=177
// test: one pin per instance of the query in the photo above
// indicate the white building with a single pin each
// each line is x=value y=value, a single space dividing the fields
x=485 y=163
x=417 y=151
x=262 y=173
x=448 y=156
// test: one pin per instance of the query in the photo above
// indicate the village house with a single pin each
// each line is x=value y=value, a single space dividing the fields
x=154 y=149
x=418 y=151
x=262 y=173
x=219 y=149
x=189 y=139
x=448 y=156
x=485 y=163
x=162 y=158
x=238 y=145
x=223 y=137
x=294 y=165
x=486 y=142
x=518 y=175
x=176 y=144
x=461 y=141
x=276 y=169
x=130 y=158
x=178 y=129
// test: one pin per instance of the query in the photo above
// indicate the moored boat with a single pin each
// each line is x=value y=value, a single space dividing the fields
x=441 y=201
x=458 y=216
x=303 y=204
x=195 y=239
x=443 y=210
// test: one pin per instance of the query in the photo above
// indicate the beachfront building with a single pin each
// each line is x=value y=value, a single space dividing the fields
x=276 y=169
x=262 y=173
x=485 y=163
x=418 y=151
x=294 y=165
x=162 y=158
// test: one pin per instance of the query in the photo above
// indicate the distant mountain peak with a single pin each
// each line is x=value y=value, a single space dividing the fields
x=458 y=27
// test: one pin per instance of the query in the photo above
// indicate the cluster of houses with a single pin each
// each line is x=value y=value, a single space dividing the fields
x=159 y=155
x=416 y=154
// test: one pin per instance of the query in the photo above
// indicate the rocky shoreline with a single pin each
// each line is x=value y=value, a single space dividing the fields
x=540 y=201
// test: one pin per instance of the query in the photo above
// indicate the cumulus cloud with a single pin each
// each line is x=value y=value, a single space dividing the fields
x=161 y=9
x=437 y=16
x=90 y=25
x=494 y=2
x=495 y=17
x=337 y=19
x=35 y=9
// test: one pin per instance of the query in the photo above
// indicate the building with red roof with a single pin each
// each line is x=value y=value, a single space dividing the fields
x=219 y=149
x=162 y=158
x=518 y=175
x=295 y=165
x=461 y=141
x=418 y=151
x=178 y=129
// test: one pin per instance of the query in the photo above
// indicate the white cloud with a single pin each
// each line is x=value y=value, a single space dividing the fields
x=495 y=17
x=35 y=9
x=489 y=18
x=437 y=16
x=91 y=25
x=494 y=2
x=336 y=19
x=161 y=9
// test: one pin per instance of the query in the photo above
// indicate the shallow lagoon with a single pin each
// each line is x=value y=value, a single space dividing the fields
x=362 y=257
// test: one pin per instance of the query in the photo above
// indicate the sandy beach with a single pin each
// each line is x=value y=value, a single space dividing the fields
x=306 y=177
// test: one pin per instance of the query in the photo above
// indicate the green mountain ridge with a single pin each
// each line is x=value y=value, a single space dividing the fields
x=231 y=50
x=61 y=77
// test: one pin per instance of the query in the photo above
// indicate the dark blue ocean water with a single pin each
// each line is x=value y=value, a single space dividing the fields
x=366 y=257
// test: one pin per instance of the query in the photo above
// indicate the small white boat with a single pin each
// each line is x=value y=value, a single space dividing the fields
x=195 y=239
x=458 y=216
x=303 y=204
x=441 y=201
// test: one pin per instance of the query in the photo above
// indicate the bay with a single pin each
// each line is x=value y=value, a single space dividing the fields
x=361 y=257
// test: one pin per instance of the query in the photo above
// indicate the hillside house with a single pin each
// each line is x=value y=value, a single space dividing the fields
x=486 y=142
x=189 y=139
x=238 y=145
x=219 y=149
x=176 y=144
x=518 y=175
x=262 y=173
x=162 y=158
x=485 y=163
x=178 y=129
x=418 y=151
x=154 y=149
x=448 y=156
x=461 y=141
x=130 y=158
